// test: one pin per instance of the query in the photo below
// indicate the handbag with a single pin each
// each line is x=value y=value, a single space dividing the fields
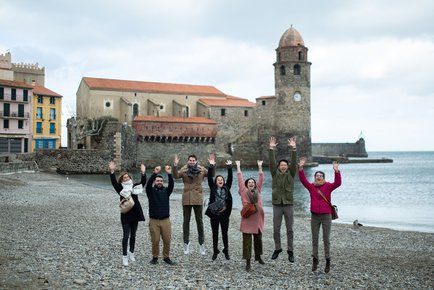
x=126 y=204
x=215 y=207
x=249 y=209
x=333 y=207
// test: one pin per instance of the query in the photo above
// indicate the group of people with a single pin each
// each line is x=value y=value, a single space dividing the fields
x=220 y=206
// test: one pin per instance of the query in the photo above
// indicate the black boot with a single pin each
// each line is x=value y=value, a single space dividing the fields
x=259 y=259
x=226 y=252
x=291 y=256
x=248 y=268
x=214 y=256
x=327 y=267
x=276 y=254
x=314 y=264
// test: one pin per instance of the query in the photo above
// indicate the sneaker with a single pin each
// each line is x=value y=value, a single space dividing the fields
x=276 y=254
x=125 y=260
x=168 y=261
x=202 y=249
x=291 y=256
x=186 y=248
x=154 y=261
x=131 y=257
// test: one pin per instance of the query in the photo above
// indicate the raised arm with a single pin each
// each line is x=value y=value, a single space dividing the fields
x=170 y=177
x=211 y=168
x=293 y=167
x=150 y=183
x=230 y=174
x=272 y=155
x=240 y=178
x=301 y=174
x=143 y=174
x=176 y=174
x=115 y=184
x=260 y=175
x=338 y=180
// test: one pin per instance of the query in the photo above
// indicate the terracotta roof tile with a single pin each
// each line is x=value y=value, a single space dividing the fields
x=152 y=87
x=228 y=102
x=15 y=84
x=171 y=119
x=40 y=90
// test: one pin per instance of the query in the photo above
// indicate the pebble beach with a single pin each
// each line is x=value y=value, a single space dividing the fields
x=58 y=233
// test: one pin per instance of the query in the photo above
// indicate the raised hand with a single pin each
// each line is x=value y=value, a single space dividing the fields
x=142 y=168
x=238 y=164
x=168 y=169
x=260 y=163
x=292 y=143
x=157 y=169
x=176 y=160
x=273 y=143
x=112 y=166
x=335 y=166
x=302 y=162
x=211 y=159
x=228 y=162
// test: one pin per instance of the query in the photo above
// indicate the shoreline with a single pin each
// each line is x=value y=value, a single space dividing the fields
x=60 y=236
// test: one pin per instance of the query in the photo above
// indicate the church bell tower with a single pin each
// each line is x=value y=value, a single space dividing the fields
x=292 y=91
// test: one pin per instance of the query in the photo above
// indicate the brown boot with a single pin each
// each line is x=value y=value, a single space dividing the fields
x=314 y=264
x=259 y=259
x=248 y=265
x=327 y=267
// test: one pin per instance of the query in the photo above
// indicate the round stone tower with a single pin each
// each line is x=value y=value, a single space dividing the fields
x=292 y=92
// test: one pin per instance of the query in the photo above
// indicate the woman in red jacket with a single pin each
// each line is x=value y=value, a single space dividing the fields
x=321 y=211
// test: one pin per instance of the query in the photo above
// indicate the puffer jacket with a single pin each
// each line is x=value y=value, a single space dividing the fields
x=317 y=204
x=193 y=190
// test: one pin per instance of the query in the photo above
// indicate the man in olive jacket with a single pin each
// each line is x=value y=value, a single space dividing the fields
x=192 y=176
x=282 y=196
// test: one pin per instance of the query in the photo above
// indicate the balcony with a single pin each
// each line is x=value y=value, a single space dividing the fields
x=14 y=115
x=20 y=100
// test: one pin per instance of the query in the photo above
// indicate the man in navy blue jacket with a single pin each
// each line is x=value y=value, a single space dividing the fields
x=159 y=213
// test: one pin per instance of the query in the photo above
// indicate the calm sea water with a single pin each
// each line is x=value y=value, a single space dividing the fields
x=398 y=195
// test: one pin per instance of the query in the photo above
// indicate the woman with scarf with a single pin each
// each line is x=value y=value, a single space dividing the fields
x=250 y=192
x=320 y=208
x=220 y=206
x=125 y=187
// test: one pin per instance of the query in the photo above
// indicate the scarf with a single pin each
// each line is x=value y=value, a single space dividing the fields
x=253 y=195
x=221 y=193
x=193 y=170
x=127 y=188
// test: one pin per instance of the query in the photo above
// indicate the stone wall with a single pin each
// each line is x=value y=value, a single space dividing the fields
x=13 y=167
x=356 y=149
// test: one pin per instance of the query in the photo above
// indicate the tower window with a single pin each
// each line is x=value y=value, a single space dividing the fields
x=282 y=70
x=300 y=55
x=107 y=104
x=135 y=110
x=246 y=113
x=297 y=69
x=264 y=102
x=223 y=112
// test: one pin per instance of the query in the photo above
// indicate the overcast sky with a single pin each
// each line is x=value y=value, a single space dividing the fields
x=372 y=61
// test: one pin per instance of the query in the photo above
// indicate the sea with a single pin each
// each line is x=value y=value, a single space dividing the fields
x=398 y=195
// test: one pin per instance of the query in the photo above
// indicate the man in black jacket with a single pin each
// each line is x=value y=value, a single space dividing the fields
x=159 y=213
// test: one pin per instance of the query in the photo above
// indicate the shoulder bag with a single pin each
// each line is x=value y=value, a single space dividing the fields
x=333 y=207
x=126 y=204
x=249 y=209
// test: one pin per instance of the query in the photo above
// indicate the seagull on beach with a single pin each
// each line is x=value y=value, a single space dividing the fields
x=356 y=225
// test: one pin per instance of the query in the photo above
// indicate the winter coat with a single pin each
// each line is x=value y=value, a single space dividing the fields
x=254 y=223
x=213 y=190
x=193 y=191
x=317 y=204
x=159 y=198
x=136 y=213
x=283 y=183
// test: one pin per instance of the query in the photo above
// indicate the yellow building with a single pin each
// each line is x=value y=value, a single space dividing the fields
x=47 y=118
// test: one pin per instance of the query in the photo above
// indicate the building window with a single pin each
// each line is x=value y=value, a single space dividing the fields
x=300 y=55
x=6 y=109
x=53 y=114
x=161 y=107
x=107 y=104
x=187 y=111
x=52 y=128
x=39 y=113
x=20 y=124
x=246 y=113
x=25 y=95
x=21 y=110
x=39 y=127
x=135 y=110
x=223 y=112
x=5 y=124
x=40 y=99
x=2 y=93
x=282 y=70
x=186 y=97
x=263 y=102
x=297 y=69
x=52 y=100
x=13 y=94
x=51 y=144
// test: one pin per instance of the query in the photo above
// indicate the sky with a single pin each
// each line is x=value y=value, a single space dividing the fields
x=372 y=61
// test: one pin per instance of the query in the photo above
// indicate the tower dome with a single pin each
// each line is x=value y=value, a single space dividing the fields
x=291 y=37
